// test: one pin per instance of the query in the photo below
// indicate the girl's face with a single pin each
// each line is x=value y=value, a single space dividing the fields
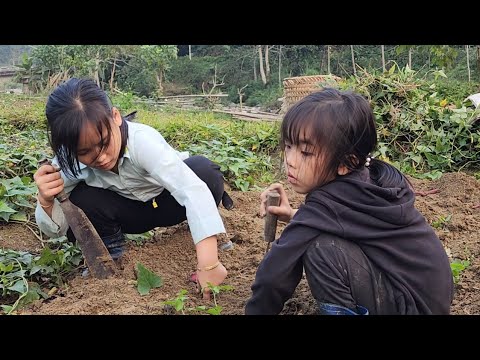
x=301 y=161
x=305 y=165
x=89 y=150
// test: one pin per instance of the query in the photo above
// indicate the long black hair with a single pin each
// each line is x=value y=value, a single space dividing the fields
x=341 y=129
x=69 y=107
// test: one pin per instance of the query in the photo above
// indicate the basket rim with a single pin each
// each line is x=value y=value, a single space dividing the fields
x=312 y=77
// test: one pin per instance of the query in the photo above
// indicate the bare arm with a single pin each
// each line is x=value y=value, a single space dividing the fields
x=207 y=257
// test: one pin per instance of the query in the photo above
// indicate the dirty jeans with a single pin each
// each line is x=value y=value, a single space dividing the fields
x=340 y=274
x=112 y=215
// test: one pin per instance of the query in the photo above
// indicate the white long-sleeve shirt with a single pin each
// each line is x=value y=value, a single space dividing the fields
x=148 y=166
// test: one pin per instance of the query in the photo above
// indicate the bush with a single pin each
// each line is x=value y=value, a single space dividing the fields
x=256 y=94
x=136 y=79
x=454 y=91
x=191 y=74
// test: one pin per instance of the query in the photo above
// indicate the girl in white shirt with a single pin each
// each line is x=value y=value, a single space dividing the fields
x=126 y=178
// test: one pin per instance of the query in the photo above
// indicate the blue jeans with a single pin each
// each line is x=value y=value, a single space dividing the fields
x=332 y=309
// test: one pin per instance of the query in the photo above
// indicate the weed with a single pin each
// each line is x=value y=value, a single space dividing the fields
x=178 y=303
x=457 y=267
x=442 y=221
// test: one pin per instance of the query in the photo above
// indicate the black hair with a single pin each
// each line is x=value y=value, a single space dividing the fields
x=69 y=107
x=341 y=127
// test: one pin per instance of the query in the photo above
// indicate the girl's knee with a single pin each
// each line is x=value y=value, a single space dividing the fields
x=85 y=197
x=209 y=173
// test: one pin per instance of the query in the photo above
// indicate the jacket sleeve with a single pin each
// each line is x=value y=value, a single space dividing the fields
x=280 y=271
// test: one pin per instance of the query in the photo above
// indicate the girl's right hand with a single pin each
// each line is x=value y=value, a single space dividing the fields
x=49 y=183
x=284 y=211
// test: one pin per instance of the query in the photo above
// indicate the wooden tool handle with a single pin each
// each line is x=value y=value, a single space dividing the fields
x=61 y=196
x=273 y=199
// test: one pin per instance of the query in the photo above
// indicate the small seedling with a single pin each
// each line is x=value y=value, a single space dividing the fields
x=457 y=268
x=442 y=221
x=216 y=289
x=140 y=239
x=178 y=303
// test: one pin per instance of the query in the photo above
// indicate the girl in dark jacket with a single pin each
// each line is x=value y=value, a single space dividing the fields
x=363 y=245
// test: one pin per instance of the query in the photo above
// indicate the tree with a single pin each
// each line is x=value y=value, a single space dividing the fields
x=468 y=63
x=158 y=58
x=478 y=57
x=383 y=57
x=402 y=48
x=262 y=69
x=280 y=65
x=353 y=61
x=116 y=54
x=328 y=59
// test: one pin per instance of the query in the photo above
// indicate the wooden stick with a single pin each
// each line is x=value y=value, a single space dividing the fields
x=273 y=199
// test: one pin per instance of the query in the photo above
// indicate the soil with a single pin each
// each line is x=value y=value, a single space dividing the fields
x=171 y=255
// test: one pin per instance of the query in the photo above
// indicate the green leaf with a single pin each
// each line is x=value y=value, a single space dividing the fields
x=35 y=269
x=6 y=211
x=215 y=310
x=6 y=268
x=20 y=216
x=146 y=280
x=31 y=296
x=19 y=286
x=6 y=308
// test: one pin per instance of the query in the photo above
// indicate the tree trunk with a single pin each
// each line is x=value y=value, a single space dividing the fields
x=159 y=76
x=112 y=74
x=383 y=57
x=410 y=57
x=328 y=59
x=254 y=64
x=353 y=61
x=97 y=77
x=478 y=57
x=468 y=62
x=262 y=70
x=280 y=66
x=267 y=61
x=190 y=52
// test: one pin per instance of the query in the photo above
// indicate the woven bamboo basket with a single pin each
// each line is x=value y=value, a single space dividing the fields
x=296 y=88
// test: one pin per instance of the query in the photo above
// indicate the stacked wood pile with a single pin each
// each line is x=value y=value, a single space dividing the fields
x=250 y=114
x=190 y=101
x=203 y=101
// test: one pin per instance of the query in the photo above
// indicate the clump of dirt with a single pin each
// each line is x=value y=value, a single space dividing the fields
x=171 y=255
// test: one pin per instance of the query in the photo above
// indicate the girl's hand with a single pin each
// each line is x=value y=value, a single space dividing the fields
x=284 y=211
x=49 y=183
x=214 y=276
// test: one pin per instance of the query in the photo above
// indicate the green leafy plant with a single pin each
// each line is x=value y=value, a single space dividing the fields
x=458 y=266
x=146 y=280
x=216 y=289
x=178 y=303
x=419 y=130
x=139 y=239
x=23 y=275
x=441 y=221
x=15 y=194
